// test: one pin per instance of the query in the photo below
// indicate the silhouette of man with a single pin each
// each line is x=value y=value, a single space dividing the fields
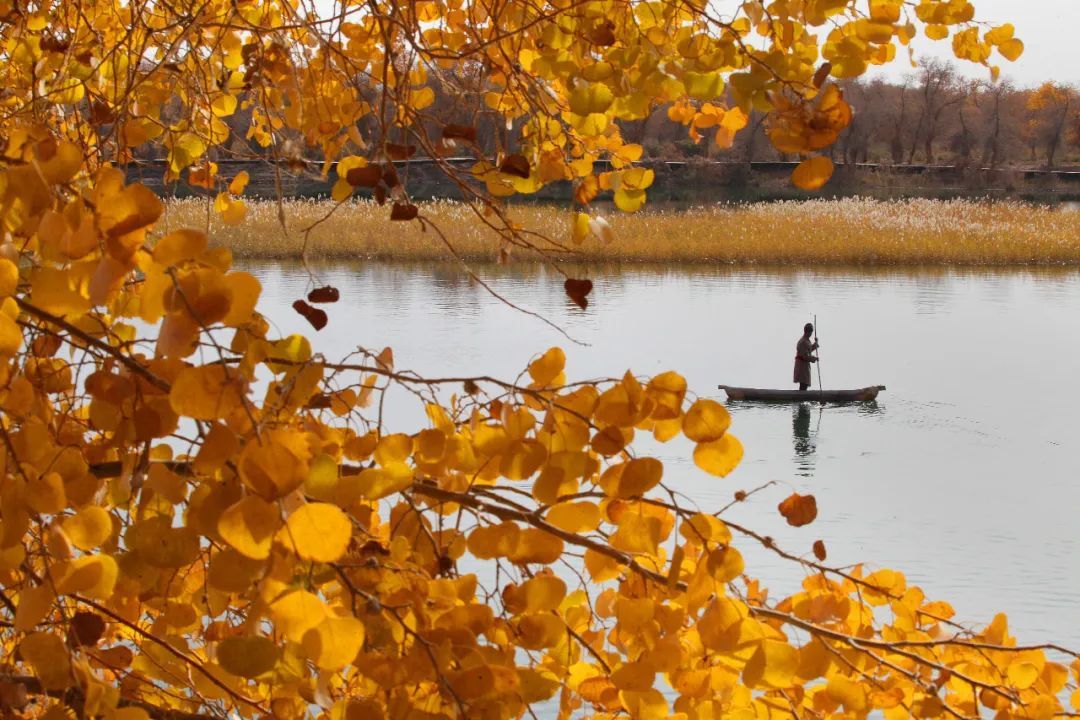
x=804 y=350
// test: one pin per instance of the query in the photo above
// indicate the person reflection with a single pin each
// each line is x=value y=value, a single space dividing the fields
x=804 y=445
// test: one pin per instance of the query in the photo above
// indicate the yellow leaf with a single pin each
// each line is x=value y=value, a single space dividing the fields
x=639 y=476
x=208 y=392
x=377 y=483
x=546 y=368
x=1022 y=675
x=575 y=517
x=178 y=246
x=64 y=161
x=580 y=228
x=239 y=183
x=629 y=200
x=91 y=575
x=9 y=278
x=89 y=527
x=334 y=643
x=223 y=105
x=249 y=526
x=34 y=605
x=10 y=336
x=317 y=531
x=276 y=465
x=232 y=210
x=422 y=98
x=296 y=613
x=247 y=657
x=813 y=173
x=244 y=291
x=772 y=665
x=703 y=86
x=601 y=567
x=706 y=420
x=542 y=593
x=589 y=98
x=1011 y=49
x=49 y=658
x=718 y=457
x=848 y=692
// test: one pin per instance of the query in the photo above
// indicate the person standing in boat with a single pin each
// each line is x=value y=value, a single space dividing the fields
x=804 y=355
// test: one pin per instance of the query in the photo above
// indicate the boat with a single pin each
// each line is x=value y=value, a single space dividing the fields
x=834 y=396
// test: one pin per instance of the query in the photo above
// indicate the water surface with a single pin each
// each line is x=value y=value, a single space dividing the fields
x=964 y=473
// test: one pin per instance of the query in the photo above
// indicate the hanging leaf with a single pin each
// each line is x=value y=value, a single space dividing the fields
x=813 y=173
x=326 y=294
x=397 y=151
x=404 y=211
x=822 y=74
x=367 y=176
x=86 y=629
x=318 y=318
x=459 y=132
x=798 y=509
x=515 y=165
x=578 y=291
x=819 y=550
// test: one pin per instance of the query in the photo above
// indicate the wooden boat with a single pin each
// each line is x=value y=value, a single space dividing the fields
x=833 y=396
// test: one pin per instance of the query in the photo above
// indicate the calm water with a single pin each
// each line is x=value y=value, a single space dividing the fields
x=964 y=474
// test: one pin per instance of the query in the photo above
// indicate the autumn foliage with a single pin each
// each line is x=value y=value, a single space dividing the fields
x=201 y=519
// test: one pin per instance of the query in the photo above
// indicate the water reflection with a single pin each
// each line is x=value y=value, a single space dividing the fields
x=805 y=445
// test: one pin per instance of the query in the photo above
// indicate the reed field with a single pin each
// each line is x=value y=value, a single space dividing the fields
x=816 y=232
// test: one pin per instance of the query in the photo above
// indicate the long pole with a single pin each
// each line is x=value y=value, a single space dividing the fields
x=821 y=388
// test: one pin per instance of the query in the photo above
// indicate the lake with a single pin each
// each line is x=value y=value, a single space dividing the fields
x=964 y=474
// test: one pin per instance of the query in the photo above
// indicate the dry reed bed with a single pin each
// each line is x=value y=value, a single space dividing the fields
x=816 y=232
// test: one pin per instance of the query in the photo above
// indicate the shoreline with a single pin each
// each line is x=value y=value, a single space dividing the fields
x=845 y=233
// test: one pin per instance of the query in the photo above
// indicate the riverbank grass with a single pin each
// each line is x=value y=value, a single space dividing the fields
x=818 y=232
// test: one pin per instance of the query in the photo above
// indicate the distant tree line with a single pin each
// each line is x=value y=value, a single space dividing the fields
x=935 y=116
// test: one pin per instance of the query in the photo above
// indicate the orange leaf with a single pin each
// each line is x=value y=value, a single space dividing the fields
x=813 y=173
x=799 y=509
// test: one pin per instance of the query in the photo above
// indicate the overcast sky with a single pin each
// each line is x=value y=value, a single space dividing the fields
x=1049 y=29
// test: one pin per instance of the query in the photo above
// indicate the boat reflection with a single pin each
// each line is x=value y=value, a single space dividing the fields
x=806 y=427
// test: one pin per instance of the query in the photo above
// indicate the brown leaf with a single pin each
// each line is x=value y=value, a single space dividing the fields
x=578 y=291
x=819 y=550
x=798 y=509
x=822 y=74
x=52 y=44
x=459 y=132
x=586 y=190
x=396 y=151
x=603 y=35
x=327 y=294
x=101 y=113
x=367 y=176
x=515 y=165
x=404 y=211
x=86 y=629
x=313 y=315
x=319 y=401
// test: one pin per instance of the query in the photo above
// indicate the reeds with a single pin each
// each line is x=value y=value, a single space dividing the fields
x=818 y=232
